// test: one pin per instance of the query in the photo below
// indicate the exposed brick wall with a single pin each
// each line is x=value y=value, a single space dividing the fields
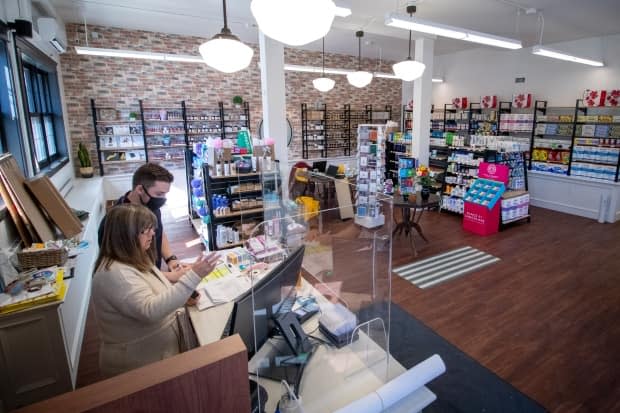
x=122 y=82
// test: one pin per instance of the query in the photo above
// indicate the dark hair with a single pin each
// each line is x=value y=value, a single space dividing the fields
x=147 y=174
x=121 y=237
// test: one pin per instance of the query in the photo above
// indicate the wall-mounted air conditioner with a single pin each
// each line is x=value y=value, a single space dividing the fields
x=51 y=31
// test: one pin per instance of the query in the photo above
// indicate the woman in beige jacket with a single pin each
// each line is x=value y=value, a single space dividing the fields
x=135 y=305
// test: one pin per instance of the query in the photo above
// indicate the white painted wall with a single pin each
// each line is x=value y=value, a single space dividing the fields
x=487 y=71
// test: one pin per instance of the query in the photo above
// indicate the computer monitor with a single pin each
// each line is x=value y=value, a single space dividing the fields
x=266 y=311
x=319 y=166
x=258 y=309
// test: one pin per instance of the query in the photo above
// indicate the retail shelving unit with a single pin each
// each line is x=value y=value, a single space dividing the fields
x=202 y=123
x=376 y=115
x=461 y=172
x=517 y=123
x=247 y=197
x=235 y=119
x=482 y=120
x=338 y=132
x=596 y=143
x=119 y=135
x=313 y=131
x=552 y=136
x=407 y=120
x=164 y=133
x=330 y=132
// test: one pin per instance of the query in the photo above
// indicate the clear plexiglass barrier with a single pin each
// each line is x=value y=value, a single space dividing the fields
x=316 y=321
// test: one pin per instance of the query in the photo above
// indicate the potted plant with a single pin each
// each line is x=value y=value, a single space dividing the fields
x=425 y=180
x=86 y=167
x=133 y=116
x=237 y=101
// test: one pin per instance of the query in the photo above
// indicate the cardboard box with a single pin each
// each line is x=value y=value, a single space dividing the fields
x=54 y=205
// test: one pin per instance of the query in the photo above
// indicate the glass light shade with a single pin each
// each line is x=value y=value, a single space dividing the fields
x=408 y=70
x=323 y=84
x=359 y=78
x=294 y=22
x=226 y=54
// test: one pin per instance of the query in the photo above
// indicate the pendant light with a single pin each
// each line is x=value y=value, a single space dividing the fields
x=360 y=78
x=294 y=22
x=409 y=69
x=225 y=52
x=323 y=84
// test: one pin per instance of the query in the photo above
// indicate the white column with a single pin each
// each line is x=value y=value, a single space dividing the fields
x=422 y=98
x=274 y=101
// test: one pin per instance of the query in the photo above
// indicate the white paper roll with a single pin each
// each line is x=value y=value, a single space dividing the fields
x=398 y=388
x=411 y=380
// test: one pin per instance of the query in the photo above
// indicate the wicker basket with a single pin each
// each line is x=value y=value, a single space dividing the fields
x=42 y=258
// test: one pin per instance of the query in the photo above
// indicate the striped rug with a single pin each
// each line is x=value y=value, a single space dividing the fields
x=445 y=266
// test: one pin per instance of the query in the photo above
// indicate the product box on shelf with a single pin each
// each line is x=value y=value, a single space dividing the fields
x=515 y=205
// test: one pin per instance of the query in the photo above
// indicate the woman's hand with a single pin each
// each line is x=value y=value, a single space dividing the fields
x=205 y=264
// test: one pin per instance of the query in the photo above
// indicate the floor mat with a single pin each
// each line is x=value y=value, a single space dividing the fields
x=445 y=266
x=466 y=386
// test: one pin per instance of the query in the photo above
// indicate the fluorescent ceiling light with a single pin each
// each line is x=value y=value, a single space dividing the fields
x=134 y=54
x=316 y=69
x=343 y=11
x=545 y=51
x=492 y=40
x=418 y=25
x=443 y=30
x=437 y=80
x=294 y=23
x=334 y=71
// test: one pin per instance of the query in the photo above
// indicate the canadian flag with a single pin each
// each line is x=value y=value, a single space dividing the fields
x=593 y=98
x=522 y=100
x=612 y=97
x=460 y=103
x=488 y=101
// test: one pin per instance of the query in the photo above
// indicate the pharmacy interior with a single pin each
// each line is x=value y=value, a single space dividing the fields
x=320 y=188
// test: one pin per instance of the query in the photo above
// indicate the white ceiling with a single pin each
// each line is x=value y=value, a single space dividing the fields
x=564 y=20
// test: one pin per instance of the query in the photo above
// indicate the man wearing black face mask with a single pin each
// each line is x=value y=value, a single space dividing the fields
x=150 y=184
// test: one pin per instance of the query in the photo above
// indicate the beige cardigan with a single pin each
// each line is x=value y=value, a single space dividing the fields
x=135 y=314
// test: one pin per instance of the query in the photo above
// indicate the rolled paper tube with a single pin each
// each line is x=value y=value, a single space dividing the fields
x=397 y=389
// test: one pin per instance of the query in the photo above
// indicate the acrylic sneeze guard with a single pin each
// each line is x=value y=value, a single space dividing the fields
x=345 y=275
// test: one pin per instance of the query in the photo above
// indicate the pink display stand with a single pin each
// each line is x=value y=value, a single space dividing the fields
x=480 y=219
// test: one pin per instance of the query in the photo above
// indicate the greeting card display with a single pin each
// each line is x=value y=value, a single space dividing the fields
x=371 y=167
x=460 y=103
x=406 y=175
x=592 y=98
x=522 y=100
x=488 y=101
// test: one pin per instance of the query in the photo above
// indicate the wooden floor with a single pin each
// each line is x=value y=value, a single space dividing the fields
x=545 y=318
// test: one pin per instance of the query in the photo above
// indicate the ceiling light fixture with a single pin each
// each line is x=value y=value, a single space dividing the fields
x=360 y=78
x=545 y=51
x=409 y=69
x=294 y=22
x=225 y=52
x=437 y=80
x=134 y=54
x=323 y=84
x=443 y=30
x=556 y=54
x=342 y=11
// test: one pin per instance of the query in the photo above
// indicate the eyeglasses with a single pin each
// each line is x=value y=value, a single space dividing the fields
x=148 y=231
